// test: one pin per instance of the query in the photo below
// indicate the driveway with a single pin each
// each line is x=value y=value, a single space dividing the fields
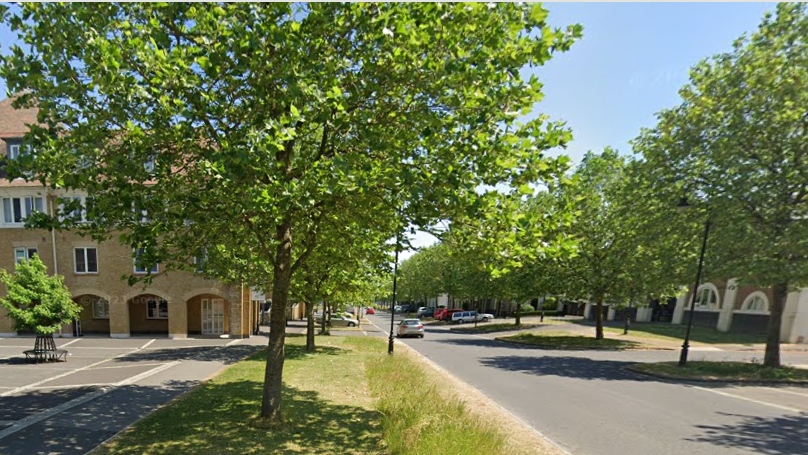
x=105 y=385
x=586 y=401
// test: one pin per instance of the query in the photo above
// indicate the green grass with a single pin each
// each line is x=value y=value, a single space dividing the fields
x=419 y=419
x=326 y=405
x=736 y=371
x=561 y=340
x=674 y=332
x=349 y=397
x=490 y=328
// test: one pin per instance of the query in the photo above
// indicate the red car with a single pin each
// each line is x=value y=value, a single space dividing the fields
x=443 y=314
x=370 y=311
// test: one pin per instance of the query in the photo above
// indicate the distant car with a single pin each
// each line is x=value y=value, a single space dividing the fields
x=343 y=320
x=370 y=311
x=397 y=309
x=446 y=314
x=484 y=317
x=411 y=327
x=461 y=317
x=425 y=312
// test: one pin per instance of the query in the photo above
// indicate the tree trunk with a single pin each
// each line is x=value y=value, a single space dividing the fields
x=273 y=376
x=325 y=329
x=772 y=357
x=518 y=314
x=599 y=318
x=310 y=347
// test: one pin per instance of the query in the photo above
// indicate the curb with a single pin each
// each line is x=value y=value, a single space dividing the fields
x=576 y=348
x=673 y=378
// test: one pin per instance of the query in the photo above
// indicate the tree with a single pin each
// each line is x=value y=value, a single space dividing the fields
x=36 y=301
x=259 y=115
x=736 y=147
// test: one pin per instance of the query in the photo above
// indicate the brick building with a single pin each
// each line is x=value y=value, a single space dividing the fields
x=177 y=304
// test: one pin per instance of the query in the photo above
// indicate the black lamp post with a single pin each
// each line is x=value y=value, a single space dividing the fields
x=686 y=344
x=393 y=305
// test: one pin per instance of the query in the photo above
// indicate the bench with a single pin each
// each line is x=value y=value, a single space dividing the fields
x=46 y=355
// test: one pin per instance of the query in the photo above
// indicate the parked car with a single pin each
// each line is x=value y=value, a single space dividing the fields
x=397 y=308
x=484 y=317
x=461 y=317
x=411 y=327
x=370 y=310
x=425 y=312
x=343 y=320
x=446 y=314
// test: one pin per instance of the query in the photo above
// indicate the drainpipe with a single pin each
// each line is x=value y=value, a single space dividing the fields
x=53 y=239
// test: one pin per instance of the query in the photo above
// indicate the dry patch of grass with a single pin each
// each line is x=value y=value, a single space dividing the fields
x=566 y=341
x=724 y=371
x=491 y=328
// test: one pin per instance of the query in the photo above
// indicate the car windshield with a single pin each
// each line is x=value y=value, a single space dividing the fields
x=411 y=322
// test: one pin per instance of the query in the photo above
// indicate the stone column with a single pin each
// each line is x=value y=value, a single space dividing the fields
x=644 y=314
x=239 y=295
x=679 y=311
x=118 y=318
x=587 y=309
x=795 y=318
x=177 y=318
x=611 y=313
x=727 y=306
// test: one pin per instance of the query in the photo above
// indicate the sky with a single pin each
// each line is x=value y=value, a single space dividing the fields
x=629 y=65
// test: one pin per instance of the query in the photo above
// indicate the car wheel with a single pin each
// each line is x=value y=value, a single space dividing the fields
x=485 y=319
x=421 y=335
x=351 y=324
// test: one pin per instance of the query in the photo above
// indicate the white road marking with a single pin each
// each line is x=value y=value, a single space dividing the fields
x=752 y=400
x=68 y=373
x=69 y=343
x=787 y=391
x=147 y=344
x=236 y=341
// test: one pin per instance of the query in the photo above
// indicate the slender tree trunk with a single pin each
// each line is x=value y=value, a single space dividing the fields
x=772 y=356
x=518 y=314
x=310 y=347
x=273 y=376
x=599 y=318
x=325 y=327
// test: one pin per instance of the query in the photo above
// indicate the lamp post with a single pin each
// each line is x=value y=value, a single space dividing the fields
x=686 y=344
x=393 y=305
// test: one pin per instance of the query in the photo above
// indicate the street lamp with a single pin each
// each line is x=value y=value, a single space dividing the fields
x=683 y=205
x=393 y=305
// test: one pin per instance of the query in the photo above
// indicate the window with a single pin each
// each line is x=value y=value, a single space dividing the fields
x=86 y=260
x=13 y=151
x=71 y=208
x=149 y=164
x=757 y=301
x=707 y=297
x=140 y=268
x=157 y=309
x=17 y=209
x=100 y=309
x=200 y=260
x=23 y=253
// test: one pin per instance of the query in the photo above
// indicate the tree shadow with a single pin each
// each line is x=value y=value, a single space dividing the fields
x=569 y=367
x=218 y=419
x=226 y=355
x=787 y=435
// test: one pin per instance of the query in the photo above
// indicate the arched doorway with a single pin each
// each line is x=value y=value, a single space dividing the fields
x=148 y=315
x=94 y=317
x=208 y=315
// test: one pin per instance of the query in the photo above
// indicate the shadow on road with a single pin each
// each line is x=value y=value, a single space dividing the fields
x=227 y=355
x=786 y=435
x=570 y=367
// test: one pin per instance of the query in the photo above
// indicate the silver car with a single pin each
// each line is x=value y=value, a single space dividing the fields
x=339 y=319
x=411 y=328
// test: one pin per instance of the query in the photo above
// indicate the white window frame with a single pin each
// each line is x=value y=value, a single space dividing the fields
x=79 y=214
x=86 y=271
x=157 y=313
x=750 y=298
x=26 y=252
x=702 y=289
x=14 y=151
x=104 y=308
x=143 y=271
x=27 y=204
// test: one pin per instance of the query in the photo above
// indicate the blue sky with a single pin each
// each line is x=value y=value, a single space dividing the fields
x=630 y=64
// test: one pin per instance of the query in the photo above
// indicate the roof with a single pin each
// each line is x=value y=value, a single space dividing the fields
x=14 y=122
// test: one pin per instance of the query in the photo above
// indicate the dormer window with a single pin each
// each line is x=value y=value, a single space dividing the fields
x=15 y=151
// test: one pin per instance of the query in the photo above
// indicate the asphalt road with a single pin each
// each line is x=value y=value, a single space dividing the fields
x=588 y=404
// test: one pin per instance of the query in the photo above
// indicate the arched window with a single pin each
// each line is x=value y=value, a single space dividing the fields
x=756 y=301
x=707 y=297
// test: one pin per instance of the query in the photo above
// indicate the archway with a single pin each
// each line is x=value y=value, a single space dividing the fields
x=208 y=315
x=94 y=317
x=148 y=315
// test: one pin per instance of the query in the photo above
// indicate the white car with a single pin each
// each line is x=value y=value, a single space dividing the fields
x=470 y=316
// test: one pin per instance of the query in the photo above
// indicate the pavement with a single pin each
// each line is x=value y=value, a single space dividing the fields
x=587 y=403
x=106 y=385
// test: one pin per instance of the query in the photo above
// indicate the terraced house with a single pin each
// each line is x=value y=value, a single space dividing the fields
x=177 y=304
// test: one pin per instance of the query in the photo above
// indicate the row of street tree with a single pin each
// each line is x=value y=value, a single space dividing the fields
x=735 y=151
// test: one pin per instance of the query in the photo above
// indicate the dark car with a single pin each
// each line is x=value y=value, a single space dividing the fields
x=426 y=312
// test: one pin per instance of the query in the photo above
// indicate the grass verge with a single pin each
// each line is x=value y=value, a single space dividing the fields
x=723 y=371
x=676 y=332
x=491 y=328
x=565 y=341
x=349 y=397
